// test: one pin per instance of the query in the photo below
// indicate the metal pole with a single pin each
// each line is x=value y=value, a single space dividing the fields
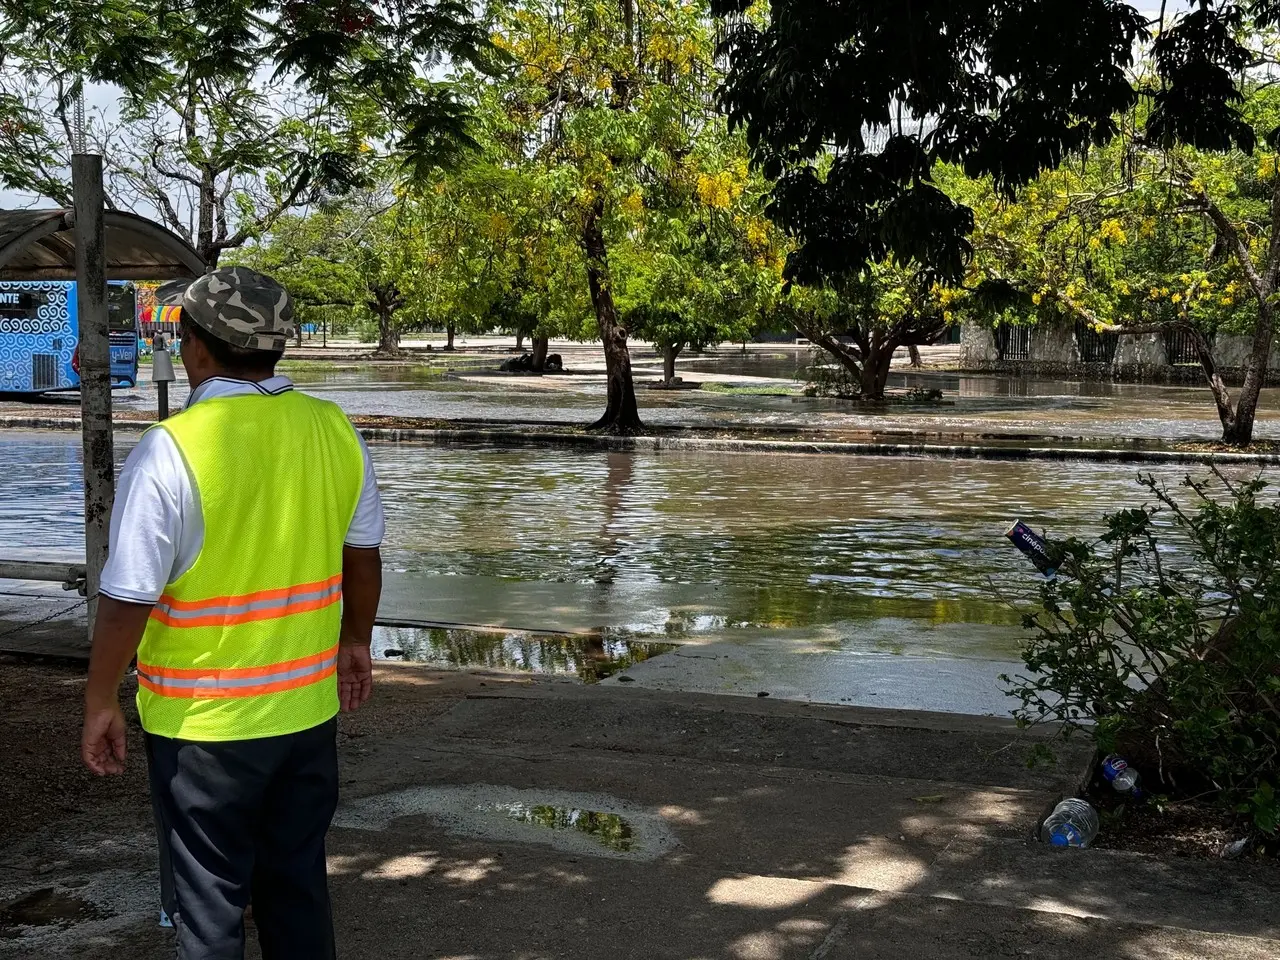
x=95 y=368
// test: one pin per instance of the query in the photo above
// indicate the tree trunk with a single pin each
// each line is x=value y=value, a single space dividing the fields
x=205 y=245
x=450 y=330
x=388 y=335
x=1238 y=419
x=915 y=356
x=540 y=346
x=875 y=369
x=519 y=339
x=622 y=413
x=1238 y=431
x=669 y=353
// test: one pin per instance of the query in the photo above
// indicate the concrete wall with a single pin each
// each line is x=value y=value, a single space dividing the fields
x=1139 y=358
x=977 y=346
x=1142 y=350
x=1054 y=345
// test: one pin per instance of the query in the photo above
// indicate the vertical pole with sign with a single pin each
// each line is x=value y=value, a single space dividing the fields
x=95 y=368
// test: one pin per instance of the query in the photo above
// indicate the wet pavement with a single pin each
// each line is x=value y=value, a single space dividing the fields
x=545 y=820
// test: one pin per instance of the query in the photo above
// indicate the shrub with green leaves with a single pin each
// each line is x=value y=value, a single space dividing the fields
x=1162 y=641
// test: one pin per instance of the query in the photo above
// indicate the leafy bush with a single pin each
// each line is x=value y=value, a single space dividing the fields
x=1169 y=653
x=827 y=379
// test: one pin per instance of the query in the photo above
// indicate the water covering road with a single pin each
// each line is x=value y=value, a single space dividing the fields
x=768 y=570
x=1100 y=412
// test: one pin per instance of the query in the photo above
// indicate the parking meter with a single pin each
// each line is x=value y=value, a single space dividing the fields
x=162 y=371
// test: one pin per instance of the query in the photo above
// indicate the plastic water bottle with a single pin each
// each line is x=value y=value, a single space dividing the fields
x=1122 y=777
x=1073 y=823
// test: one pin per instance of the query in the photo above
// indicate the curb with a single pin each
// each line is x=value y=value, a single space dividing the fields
x=511 y=438
x=580 y=441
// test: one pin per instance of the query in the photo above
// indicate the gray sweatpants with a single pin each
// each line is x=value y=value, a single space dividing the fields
x=247 y=819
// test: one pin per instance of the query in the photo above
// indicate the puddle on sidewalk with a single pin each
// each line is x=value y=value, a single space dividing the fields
x=45 y=907
x=608 y=829
x=591 y=658
x=586 y=824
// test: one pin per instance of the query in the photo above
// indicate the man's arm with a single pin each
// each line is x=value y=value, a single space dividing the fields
x=361 y=590
x=116 y=635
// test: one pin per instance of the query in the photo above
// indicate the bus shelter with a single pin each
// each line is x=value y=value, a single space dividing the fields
x=40 y=245
x=37 y=248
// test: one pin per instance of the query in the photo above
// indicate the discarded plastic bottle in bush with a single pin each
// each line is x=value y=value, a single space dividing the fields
x=1073 y=823
x=1035 y=547
x=1122 y=777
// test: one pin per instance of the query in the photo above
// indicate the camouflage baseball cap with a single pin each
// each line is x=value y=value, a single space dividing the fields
x=241 y=306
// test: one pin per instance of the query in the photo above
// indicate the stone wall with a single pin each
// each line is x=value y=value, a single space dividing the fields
x=1139 y=358
x=977 y=346
x=1054 y=346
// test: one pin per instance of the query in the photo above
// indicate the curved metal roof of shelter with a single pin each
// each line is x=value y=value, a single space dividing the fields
x=40 y=245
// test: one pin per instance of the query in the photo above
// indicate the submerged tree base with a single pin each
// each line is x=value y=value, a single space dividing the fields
x=617 y=428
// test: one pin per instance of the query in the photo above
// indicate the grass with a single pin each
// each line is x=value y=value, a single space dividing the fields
x=751 y=390
x=306 y=366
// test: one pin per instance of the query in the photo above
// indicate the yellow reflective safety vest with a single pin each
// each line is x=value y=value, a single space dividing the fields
x=245 y=643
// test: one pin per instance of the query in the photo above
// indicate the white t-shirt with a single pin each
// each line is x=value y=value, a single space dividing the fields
x=157 y=528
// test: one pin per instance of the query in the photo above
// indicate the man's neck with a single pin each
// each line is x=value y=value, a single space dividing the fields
x=223 y=374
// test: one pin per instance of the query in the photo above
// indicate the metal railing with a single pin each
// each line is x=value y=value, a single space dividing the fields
x=72 y=576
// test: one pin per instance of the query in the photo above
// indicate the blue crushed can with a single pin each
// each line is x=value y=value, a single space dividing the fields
x=1122 y=777
x=1034 y=546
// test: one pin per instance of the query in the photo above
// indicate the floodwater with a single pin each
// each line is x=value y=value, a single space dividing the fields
x=975 y=404
x=767 y=571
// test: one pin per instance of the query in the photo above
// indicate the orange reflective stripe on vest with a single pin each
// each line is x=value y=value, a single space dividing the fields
x=249 y=607
x=238 y=681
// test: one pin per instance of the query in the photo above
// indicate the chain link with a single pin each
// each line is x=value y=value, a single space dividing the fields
x=57 y=614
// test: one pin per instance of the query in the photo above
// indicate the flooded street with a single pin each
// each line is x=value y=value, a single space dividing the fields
x=832 y=578
x=840 y=579
x=974 y=404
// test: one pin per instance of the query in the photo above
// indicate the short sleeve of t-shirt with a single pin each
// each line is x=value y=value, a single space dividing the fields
x=368 y=525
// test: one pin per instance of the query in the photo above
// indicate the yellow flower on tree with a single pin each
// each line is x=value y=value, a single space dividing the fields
x=1112 y=231
x=633 y=204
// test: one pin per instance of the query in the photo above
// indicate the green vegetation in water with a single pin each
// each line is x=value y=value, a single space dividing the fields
x=311 y=366
x=592 y=658
x=422 y=371
x=749 y=390
x=608 y=829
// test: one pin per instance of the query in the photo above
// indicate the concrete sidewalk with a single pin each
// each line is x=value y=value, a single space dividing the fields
x=706 y=827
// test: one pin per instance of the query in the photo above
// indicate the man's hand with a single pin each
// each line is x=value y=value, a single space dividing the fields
x=116 y=636
x=102 y=746
x=361 y=588
x=355 y=675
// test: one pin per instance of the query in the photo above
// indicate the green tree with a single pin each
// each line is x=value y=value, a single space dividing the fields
x=605 y=105
x=700 y=264
x=861 y=322
x=219 y=161
x=313 y=256
x=200 y=66
x=1137 y=239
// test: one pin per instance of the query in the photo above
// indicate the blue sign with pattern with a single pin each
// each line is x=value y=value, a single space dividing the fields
x=39 y=330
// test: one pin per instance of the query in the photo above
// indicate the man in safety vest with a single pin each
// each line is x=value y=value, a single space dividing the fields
x=244 y=572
